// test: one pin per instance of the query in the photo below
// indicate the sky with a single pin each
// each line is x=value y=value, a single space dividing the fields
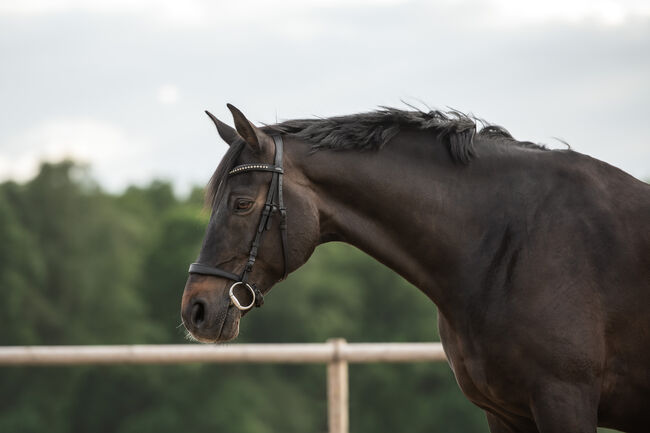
x=122 y=84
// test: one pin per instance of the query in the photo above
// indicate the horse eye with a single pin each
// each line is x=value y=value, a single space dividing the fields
x=243 y=204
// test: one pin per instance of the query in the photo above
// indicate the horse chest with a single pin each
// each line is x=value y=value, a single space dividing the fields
x=482 y=375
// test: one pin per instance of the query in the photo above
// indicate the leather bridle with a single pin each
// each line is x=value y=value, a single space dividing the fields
x=274 y=204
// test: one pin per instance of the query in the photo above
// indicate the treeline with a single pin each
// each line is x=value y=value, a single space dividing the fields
x=80 y=266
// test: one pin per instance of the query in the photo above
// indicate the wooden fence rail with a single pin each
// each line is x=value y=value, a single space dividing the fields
x=336 y=353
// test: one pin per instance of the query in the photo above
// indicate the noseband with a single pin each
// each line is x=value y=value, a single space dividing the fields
x=274 y=204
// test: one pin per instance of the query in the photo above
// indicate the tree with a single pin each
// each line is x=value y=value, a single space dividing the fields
x=80 y=266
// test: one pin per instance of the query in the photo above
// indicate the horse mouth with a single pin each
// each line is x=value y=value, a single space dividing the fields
x=230 y=329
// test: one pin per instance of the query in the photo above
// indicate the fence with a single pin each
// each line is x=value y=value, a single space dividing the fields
x=336 y=353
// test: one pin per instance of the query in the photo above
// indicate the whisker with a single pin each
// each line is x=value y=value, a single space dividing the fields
x=190 y=337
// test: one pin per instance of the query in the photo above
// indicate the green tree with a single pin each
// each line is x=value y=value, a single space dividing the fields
x=80 y=266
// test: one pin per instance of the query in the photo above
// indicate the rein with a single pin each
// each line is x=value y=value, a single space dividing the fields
x=274 y=204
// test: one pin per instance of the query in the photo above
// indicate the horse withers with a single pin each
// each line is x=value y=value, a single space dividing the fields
x=538 y=260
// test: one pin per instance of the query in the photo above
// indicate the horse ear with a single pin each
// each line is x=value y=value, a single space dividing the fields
x=252 y=135
x=227 y=133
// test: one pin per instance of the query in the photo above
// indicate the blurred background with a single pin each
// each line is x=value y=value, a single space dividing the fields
x=104 y=151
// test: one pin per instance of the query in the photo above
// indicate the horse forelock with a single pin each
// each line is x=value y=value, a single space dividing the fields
x=214 y=189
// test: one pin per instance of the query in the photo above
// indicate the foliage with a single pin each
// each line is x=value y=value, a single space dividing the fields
x=80 y=266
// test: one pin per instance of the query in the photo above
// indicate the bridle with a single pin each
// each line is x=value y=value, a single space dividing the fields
x=274 y=203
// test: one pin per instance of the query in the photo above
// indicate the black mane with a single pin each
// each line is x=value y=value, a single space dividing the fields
x=372 y=130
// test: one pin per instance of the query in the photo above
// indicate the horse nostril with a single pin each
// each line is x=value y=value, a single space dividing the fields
x=198 y=313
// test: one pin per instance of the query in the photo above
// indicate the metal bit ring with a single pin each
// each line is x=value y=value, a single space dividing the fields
x=234 y=299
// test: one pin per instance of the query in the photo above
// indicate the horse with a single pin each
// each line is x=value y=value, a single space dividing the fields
x=538 y=260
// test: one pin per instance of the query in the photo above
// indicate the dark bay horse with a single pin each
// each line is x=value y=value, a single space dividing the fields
x=538 y=260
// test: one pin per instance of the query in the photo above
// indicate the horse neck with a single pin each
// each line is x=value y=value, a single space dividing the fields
x=409 y=206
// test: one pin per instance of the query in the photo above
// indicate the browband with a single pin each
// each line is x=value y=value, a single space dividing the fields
x=255 y=167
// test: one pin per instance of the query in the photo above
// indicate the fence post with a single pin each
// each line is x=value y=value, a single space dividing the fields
x=337 y=390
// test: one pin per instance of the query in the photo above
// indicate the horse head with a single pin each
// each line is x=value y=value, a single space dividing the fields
x=263 y=225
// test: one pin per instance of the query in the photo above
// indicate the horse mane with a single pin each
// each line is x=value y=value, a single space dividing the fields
x=372 y=130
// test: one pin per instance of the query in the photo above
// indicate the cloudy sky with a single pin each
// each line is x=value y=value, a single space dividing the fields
x=122 y=84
